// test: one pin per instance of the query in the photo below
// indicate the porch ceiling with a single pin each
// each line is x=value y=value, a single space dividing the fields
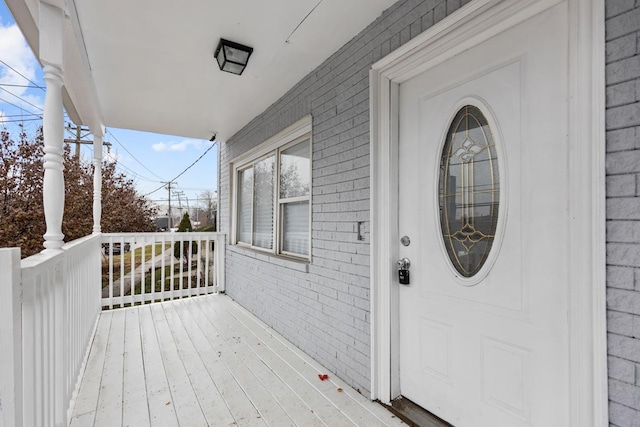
x=151 y=61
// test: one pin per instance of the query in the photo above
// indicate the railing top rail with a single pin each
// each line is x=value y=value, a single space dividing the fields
x=81 y=241
x=165 y=235
x=41 y=260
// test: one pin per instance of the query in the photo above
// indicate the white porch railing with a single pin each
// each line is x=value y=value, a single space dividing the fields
x=50 y=302
x=139 y=268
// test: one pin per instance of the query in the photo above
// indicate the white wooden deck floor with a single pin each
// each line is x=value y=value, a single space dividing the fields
x=205 y=361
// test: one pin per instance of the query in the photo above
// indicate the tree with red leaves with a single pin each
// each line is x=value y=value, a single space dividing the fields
x=22 y=221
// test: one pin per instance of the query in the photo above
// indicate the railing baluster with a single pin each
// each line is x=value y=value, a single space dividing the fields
x=189 y=264
x=110 y=254
x=172 y=268
x=199 y=283
x=29 y=351
x=142 y=272
x=163 y=268
x=40 y=386
x=152 y=270
x=11 y=350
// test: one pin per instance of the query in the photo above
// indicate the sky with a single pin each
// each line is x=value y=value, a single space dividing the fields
x=149 y=159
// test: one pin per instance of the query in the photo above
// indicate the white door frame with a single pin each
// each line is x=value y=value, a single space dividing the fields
x=475 y=22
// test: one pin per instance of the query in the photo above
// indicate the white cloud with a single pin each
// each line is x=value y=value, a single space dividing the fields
x=17 y=54
x=178 y=146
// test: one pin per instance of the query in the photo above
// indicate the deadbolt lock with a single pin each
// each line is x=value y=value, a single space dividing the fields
x=403 y=270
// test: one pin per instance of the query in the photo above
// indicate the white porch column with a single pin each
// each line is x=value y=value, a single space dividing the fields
x=97 y=182
x=51 y=42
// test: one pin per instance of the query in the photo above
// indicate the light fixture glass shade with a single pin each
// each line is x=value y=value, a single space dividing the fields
x=232 y=57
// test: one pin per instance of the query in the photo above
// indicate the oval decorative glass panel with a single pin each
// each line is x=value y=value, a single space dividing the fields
x=469 y=191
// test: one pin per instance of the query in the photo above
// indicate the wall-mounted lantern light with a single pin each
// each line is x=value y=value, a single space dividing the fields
x=232 y=57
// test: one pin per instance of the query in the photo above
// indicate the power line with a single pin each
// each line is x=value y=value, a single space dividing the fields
x=21 y=99
x=182 y=173
x=125 y=169
x=22 y=115
x=22 y=75
x=15 y=105
x=196 y=161
x=195 y=189
x=22 y=86
x=135 y=174
x=17 y=120
x=134 y=157
x=157 y=189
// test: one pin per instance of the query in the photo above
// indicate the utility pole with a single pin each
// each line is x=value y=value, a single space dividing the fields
x=170 y=217
x=178 y=194
x=78 y=139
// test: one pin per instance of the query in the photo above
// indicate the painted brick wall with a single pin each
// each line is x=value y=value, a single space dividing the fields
x=623 y=209
x=325 y=311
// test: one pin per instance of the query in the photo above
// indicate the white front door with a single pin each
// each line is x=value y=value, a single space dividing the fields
x=483 y=202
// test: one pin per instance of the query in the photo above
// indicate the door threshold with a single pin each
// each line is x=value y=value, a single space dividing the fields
x=414 y=415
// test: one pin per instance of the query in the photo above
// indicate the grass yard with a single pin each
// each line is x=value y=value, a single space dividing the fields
x=128 y=259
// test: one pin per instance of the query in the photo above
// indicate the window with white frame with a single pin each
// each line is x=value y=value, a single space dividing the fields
x=273 y=194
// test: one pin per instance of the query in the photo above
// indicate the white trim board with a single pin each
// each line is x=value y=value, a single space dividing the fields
x=472 y=24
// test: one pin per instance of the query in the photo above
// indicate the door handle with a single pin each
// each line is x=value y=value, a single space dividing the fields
x=404 y=264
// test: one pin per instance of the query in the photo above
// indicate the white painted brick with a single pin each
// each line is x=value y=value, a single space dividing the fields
x=621 y=185
x=625 y=301
x=623 y=416
x=621 y=25
x=624 y=347
x=624 y=394
x=621 y=48
x=623 y=231
x=617 y=7
x=623 y=254
x=618 y=322
x=622 y=370
x=427 y=21
x=621 y=140
x=439 y=12
x=452 y=6
x=623 y=162
x=622 y=93
x=624 y=115
x=627 y=208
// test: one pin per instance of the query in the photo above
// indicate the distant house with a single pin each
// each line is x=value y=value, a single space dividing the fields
x=162 y=223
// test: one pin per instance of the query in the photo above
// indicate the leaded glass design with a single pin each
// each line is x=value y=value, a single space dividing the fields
x=469 y=191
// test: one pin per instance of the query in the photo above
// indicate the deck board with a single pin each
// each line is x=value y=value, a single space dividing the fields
x=135 y=409
x=109 y=408
x=161 y=411
x=85 y=407
x=205 y=361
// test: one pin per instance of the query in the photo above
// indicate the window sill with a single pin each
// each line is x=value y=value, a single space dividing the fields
x=297 y=264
